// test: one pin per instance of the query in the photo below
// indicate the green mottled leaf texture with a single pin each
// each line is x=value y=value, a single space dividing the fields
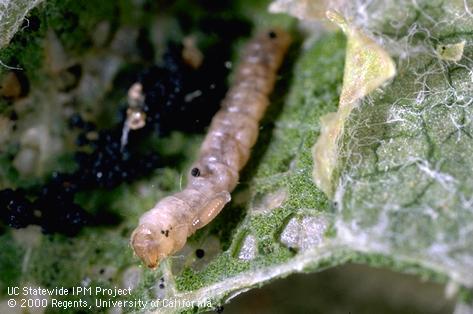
x=405 y=186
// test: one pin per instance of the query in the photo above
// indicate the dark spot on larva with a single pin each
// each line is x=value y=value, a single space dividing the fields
x=195 y=172
x=443 y=48
x=199 y=253
x=161 y=286
x=101 y=271
x=219 y=309
x=272 y=34
x=165 y=232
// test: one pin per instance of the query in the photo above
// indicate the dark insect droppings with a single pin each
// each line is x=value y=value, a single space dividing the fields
x=13 y=116
x=195 y=172
x=199 y=253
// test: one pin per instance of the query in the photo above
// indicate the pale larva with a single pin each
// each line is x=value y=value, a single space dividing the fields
x=136 y=117
x=164 y=229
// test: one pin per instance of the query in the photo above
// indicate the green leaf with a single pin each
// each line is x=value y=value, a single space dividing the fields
x=405 y=184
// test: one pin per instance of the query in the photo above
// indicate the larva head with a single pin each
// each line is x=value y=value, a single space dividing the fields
x=152 y=243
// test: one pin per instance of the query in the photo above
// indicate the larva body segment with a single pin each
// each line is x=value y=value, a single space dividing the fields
x=164 y=229
x=236 y=102
x=211 y=209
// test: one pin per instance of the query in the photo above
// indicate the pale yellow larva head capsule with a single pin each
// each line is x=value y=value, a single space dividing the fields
x=148 y=245
x=162 y=231
x=152 y=245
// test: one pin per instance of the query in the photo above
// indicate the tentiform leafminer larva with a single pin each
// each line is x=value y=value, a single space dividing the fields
x=164 y=229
